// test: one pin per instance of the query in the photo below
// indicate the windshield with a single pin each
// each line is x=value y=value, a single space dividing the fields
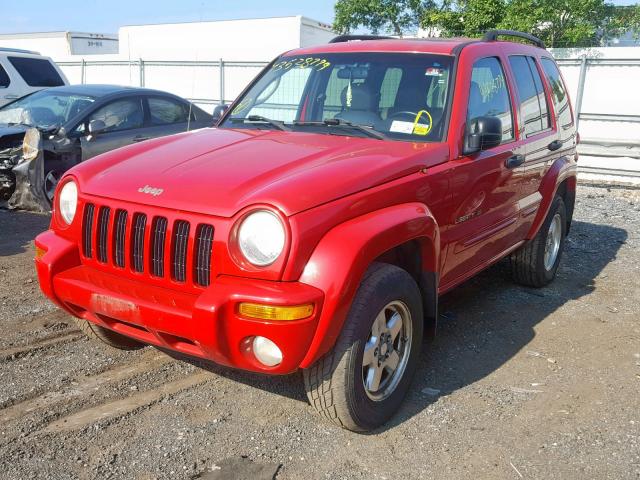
x=45 y=108
x=401 y=96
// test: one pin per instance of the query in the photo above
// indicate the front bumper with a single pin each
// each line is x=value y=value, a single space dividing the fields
x=206 y=324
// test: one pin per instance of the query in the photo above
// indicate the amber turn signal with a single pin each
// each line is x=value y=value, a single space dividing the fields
x=269 y=312
x=40 y=252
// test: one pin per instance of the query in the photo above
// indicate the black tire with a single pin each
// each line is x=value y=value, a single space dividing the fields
x=528 y=263
x=107 y=337
x=334 y=384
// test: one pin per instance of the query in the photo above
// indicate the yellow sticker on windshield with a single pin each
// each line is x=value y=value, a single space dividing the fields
x=420 y=128
x=309 y=62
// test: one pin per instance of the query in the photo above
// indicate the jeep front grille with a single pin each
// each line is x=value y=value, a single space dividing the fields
x=101 y=239
x=119 y=232
x=179 y=250
x=137 y=242
x=204 y=240
x=158 y=239
x=148 y=244
x=87 y=231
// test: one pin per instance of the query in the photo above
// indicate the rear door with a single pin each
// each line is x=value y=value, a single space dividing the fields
x=536 y=129
x=124 y=118
x=166 y=116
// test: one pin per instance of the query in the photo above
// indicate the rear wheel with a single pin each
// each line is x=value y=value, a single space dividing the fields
x=107 y=337
x=536 y=263
x=362 y=381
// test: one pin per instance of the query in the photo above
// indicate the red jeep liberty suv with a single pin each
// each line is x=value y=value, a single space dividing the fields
x=316 y=225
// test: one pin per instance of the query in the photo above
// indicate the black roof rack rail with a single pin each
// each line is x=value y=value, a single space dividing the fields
x=492 y=36
x=350 y=38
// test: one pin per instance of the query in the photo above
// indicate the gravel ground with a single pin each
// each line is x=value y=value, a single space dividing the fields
x=519 y=383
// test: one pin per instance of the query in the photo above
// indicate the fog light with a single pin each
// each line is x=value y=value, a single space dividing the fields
x=270 y=312
x=266 y=351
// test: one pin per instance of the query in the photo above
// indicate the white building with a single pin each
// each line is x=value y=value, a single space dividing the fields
x=62 y=45
x=258 y=39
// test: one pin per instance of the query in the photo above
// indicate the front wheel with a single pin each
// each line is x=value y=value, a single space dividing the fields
x=105 y=337
x=362 y=381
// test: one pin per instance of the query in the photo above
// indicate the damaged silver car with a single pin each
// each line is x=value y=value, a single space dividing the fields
x=47 y=132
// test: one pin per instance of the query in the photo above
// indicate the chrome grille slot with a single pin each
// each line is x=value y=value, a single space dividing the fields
x=158 y=239
x=137 y=242
x=180 y=243
x=87 y=230
x=119 y=234
x=103 y=229
x=202 y=255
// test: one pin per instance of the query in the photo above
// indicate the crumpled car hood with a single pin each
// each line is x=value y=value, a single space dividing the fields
x=221 y=171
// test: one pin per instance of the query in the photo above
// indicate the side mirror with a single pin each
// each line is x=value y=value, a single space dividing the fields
x=96 y=126
x=482 y=133
x=218 y=112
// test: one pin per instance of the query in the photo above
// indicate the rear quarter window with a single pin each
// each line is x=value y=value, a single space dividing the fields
x=558 y=93
x=4 y=78
x=37 y=72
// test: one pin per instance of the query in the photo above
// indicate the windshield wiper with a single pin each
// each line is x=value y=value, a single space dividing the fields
x=259 y=118
x=340 y=123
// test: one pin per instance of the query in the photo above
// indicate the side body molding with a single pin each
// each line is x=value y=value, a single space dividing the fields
x=340 y=260
x=562 y=169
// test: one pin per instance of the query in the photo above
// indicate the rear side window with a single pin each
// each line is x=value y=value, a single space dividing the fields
x=36 y=72
x=533 y=102
x=489 y=96
x=165 y=111
x=4 y=78
x=558 y=92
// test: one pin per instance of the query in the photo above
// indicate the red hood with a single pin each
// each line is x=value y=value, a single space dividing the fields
x=220 y=171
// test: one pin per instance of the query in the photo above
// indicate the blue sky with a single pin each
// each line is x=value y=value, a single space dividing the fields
x=107 y=16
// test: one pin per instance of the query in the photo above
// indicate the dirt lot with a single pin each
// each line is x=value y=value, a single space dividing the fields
x=520 y=383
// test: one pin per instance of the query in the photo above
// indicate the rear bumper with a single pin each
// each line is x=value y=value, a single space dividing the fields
x=205 y=325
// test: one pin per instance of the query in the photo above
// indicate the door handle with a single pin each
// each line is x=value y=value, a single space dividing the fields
x=11 y=97
x=555 y=145
x=140 y=138
x=514 y=161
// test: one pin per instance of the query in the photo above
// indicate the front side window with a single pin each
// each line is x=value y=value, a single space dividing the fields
x=559 y=93
x=37 y=72
x=165 y=111
x=120 y=115
x=488 y=96
x=533 y=101
x=45 y=108
x=391 y=95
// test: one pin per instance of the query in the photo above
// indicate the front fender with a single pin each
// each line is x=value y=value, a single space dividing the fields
x=340 y=260
x=562 y=169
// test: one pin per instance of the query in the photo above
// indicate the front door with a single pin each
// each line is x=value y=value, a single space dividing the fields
x=124 y=120
x=485 y=185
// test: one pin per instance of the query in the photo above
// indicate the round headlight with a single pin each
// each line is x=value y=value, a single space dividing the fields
x=261 y=238
x=68 y=201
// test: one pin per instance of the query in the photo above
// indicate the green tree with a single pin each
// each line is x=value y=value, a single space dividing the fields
x=387 y=16
x=467 y=18
x=560 y=23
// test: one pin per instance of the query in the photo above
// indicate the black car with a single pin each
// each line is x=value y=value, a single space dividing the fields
x=47 y=132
